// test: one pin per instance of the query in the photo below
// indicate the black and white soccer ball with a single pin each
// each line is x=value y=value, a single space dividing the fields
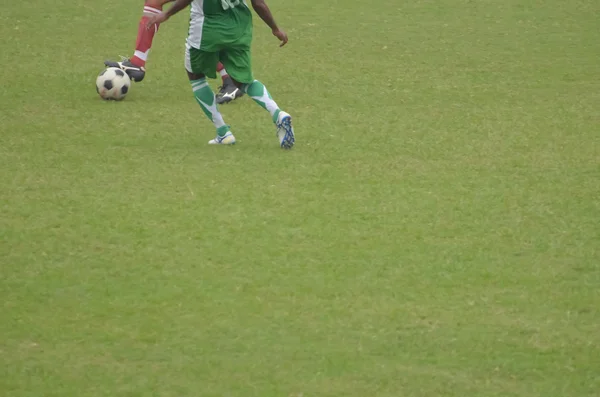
x=113 y=84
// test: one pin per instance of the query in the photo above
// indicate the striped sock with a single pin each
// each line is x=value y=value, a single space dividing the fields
x=145 y=37
x=206 y=99
x=258 y=92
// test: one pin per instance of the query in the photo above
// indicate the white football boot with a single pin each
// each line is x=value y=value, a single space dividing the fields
x=285 y=131
x=227 y=139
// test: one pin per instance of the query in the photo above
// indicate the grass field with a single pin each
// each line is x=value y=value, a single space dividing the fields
x=435 y=232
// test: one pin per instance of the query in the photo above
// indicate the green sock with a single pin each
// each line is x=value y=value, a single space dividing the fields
x=207 y=101
x=258 y=92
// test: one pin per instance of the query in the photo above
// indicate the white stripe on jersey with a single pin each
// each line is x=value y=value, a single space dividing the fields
x=196 y=24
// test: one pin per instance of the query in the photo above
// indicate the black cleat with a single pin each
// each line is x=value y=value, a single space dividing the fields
x=228 y=93
x=135 y=73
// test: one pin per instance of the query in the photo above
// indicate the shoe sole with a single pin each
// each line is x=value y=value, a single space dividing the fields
x=111 y=64
x=222 y=143
x=133 y=75
x=288 y=139
x=227 y=100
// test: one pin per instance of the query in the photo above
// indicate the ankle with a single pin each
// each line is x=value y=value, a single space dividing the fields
x=227 y=81
x=137 y=61
x=222 y=131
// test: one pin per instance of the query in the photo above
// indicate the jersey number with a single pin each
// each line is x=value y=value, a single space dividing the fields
x=227 y=4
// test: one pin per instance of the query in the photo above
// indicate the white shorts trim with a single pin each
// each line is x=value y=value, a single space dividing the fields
x=187 y=61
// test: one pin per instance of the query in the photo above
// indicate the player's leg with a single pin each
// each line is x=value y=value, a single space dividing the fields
x=145 y=36
x=228 y=91
x=238 y=62
x=136 y=65
x=200 y=64
x=283 y=121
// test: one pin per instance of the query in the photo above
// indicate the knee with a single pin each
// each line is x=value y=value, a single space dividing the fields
x=194 y=76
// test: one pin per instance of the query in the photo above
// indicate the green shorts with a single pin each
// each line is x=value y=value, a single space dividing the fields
x=237 y=62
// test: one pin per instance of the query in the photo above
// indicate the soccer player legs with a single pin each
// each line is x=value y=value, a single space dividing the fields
x=135 y=66
x=221 y=30
x=228 y=91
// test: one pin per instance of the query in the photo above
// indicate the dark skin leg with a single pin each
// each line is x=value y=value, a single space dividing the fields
x=196 y=76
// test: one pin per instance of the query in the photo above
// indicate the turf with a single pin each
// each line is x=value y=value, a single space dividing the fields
x=435 y=232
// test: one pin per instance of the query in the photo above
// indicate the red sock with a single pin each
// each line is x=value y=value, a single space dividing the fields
x=222 y=71
x=144 y=38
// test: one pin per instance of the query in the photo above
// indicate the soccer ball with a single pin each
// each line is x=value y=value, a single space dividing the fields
x=113 y=84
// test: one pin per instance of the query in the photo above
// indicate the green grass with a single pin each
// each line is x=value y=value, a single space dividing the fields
x=435 y=232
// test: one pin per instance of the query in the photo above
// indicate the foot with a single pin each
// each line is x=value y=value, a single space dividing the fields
x=285 y=131
x=136 y=73
x=227 y=93
x=227 y=139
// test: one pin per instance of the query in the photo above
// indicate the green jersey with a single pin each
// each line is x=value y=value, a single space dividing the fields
x=217 y=24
